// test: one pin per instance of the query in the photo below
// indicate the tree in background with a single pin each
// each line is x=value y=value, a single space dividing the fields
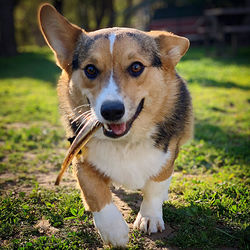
x=207 y=3
x=88 y=14
x=7 y=30
x=91 y=14
x=18 y=18
x=96 y=14
x=58 y=4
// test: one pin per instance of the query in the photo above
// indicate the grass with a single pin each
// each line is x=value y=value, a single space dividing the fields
x=209 y=196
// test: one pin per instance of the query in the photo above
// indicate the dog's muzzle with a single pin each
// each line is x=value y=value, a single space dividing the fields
x=113 y=112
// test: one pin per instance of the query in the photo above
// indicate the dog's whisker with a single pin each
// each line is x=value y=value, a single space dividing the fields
x=85 y=114
x=80 y=106
x=82 y=117
x=87 y=120
x=72 y=114
x=88 y=111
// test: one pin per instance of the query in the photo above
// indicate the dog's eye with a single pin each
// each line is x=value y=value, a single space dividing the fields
x=91 y=71
x=135 y=69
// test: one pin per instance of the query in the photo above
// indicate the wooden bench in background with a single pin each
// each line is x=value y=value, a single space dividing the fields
x=220 y=22
x=219 y=26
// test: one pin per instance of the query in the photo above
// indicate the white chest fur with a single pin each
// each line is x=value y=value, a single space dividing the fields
x=127 y=164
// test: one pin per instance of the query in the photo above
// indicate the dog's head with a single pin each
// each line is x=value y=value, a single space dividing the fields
x=126 y=75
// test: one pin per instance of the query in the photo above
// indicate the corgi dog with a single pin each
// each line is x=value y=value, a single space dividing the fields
x=126 y=79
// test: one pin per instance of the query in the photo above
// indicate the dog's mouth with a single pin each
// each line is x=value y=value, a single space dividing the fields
x=116 y=130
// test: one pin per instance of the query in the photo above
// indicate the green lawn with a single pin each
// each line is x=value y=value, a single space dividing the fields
x=209 y=196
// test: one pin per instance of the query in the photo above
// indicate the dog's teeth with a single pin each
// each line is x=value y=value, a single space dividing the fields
x=107 y=128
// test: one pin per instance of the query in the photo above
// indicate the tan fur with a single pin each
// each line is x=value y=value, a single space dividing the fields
x=94 y=186
x=54 y=28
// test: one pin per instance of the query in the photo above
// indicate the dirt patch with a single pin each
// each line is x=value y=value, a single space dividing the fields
x=29 y=156
x=7 y=176
x=43 y=226
x=17 y=182
x=7 y=181
x=18 y=125
x=48 y=180
x=150 y=240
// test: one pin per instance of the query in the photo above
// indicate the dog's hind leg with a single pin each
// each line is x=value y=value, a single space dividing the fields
x=149 y=218
x=98 y=199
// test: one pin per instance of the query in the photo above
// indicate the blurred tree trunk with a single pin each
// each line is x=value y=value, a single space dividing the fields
x=104 y=10
x=99 y=12
x=128 y=14
x=82 y=14
x=110 y=8
x=58 y=4
x=7 y=29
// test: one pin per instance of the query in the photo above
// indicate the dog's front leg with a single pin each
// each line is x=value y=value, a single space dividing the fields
x=111 y=225
x=149 y=218
x=98 y=199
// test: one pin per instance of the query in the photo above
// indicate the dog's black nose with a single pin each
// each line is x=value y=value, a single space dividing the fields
x=112 y=110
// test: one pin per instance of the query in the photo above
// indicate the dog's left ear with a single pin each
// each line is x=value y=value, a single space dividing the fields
x=59 y=33
x=171 y=46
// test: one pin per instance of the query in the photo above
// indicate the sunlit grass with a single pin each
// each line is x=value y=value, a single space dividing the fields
x=209 y=195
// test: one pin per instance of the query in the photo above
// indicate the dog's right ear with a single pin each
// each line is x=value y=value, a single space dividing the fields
x=59 y=33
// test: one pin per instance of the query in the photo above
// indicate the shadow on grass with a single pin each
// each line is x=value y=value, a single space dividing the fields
x=192 y=226
x=30 y=64
x=206 y=82
x=242 y=57
x=200 y=227
x=133 y=200
x=235 y=145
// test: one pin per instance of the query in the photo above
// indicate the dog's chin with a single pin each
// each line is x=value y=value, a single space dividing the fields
x=118 y=130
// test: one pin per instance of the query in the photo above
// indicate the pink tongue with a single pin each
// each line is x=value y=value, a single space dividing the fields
x=118 y=129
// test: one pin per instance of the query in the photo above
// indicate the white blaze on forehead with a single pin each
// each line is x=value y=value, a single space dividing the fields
x=111 y=91
x=112 y=38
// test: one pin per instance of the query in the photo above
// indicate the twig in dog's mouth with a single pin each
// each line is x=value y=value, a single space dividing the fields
x=82 y=138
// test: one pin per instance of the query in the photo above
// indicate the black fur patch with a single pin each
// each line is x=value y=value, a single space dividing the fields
x=75 y=127
x=71 y=139
x=174 y=125
x=75 y=63
x=156 y=61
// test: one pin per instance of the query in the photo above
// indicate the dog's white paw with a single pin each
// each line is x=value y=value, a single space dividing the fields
x=111 y=226
x=149 y=224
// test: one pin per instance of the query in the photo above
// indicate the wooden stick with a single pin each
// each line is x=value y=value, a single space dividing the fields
x=80 y=141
